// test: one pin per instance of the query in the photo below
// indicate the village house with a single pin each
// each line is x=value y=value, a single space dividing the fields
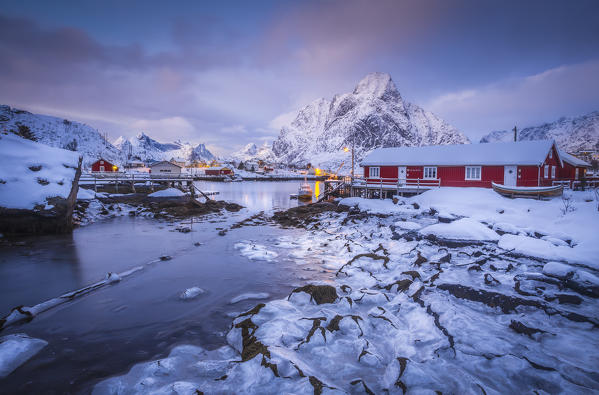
x=218 y=171
x=103 y=166
x=522 y=163
x=178 y=161
x=165 y=169
x=574 y=168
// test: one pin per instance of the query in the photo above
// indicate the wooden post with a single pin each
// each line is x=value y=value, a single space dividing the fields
x=95 y=184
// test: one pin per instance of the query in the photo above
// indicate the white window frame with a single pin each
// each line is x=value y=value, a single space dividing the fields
x=551 y=153
x=576 y=173
x=546 y=172
x=552 y=171
x=429 y=173
x=371 y=173
x=471 y=173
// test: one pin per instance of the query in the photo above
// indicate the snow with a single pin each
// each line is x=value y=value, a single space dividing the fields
x=413 y=312
x=169 y=192
x=253 y=251
x=462 y=229
x=511 y=153
x=85 y=194
x=557 y=269
x=372 y=206
x=191 y=293
x=24 y=164
x=407 y=225
x=247 y=296
x=17 y=349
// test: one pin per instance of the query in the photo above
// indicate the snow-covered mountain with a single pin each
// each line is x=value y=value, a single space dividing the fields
x=59 y=132
x=570 y=134
x=374 y=115
x=143 y=147
x=253 y=152
x=75 y=136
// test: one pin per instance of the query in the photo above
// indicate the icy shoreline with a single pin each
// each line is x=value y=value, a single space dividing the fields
x=466 y=298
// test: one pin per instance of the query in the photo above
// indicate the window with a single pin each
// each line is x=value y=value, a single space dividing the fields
x=551 y=153
x=473 y=172
x=430 y=172
x=576 y=174
x=546 y=172
x=374 y=172
x=552 y=171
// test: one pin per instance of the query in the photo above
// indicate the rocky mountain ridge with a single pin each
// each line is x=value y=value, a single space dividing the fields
x=374 y=115
x=572 y=134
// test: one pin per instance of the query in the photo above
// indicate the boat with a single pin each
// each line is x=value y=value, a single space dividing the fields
x=537 y=192
x=304 y=192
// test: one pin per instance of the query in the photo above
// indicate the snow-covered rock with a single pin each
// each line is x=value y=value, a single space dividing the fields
x=17 y=349
x=571 y=134
x=38 y=186
x=462 y=229
x=169 y=192
x=374 y=115
x=557 y=269
x=191 y=293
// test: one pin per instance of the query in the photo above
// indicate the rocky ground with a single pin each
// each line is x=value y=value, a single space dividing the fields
x=424 y=299
x=106 y=206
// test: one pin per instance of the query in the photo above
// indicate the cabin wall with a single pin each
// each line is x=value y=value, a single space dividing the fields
x=107 y=166
x=528 y=176
x=165 y=168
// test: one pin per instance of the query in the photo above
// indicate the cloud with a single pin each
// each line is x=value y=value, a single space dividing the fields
x=282 y=120
x=568 y=90
x=165 y=129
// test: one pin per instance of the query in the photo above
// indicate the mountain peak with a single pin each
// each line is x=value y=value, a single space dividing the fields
x=379 y=85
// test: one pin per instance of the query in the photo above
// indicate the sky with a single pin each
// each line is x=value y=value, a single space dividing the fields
x=229 y=73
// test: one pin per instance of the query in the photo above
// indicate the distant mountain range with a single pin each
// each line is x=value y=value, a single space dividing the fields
x=75 y=136
x=373 y=115
x=142 y=147
x=570 y=134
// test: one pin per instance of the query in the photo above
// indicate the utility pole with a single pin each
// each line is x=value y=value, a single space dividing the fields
x=515 y=133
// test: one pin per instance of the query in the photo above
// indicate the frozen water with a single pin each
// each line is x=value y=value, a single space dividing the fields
x=246 y=296
x=16 y=349
x=191 y=293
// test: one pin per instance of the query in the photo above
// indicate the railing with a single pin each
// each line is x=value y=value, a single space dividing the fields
x=402 y=183
x=577 y=184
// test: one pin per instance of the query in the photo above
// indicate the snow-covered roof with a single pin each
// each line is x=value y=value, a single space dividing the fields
x=164 y=162
x=217 y=168
x=571 y=159
x=512 y=153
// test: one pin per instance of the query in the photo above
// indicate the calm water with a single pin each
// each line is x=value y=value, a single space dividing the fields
x=259 y=195
x=141 y=317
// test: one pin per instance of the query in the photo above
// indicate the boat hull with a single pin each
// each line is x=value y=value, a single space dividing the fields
x=528 y=191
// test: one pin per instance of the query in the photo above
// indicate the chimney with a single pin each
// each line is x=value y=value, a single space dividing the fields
x=515 y=134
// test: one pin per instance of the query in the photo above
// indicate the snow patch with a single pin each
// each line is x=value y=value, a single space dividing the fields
x=17 y=349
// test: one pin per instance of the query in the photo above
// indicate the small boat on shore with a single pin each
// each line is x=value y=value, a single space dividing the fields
x=537 y=192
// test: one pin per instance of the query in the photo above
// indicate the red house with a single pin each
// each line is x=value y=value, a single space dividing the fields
x=102 y=165
x=218 y=171
x=574 y=168
x=522 y=163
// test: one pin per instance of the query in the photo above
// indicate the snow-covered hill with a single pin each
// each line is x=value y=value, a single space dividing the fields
x=374 y=115
x=143 y=147
x=252 y=152
x=61 y=133
x=570 y=134
x=75 y=136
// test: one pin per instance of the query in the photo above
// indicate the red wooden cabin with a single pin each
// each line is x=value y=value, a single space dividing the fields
x=522 y=163
x=102 y=165
x=218 y=171
x=574 y=169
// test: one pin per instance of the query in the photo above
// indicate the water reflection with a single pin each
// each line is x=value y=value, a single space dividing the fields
x=259 y=195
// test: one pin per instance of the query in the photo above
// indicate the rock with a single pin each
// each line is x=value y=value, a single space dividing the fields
x=319 y=293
